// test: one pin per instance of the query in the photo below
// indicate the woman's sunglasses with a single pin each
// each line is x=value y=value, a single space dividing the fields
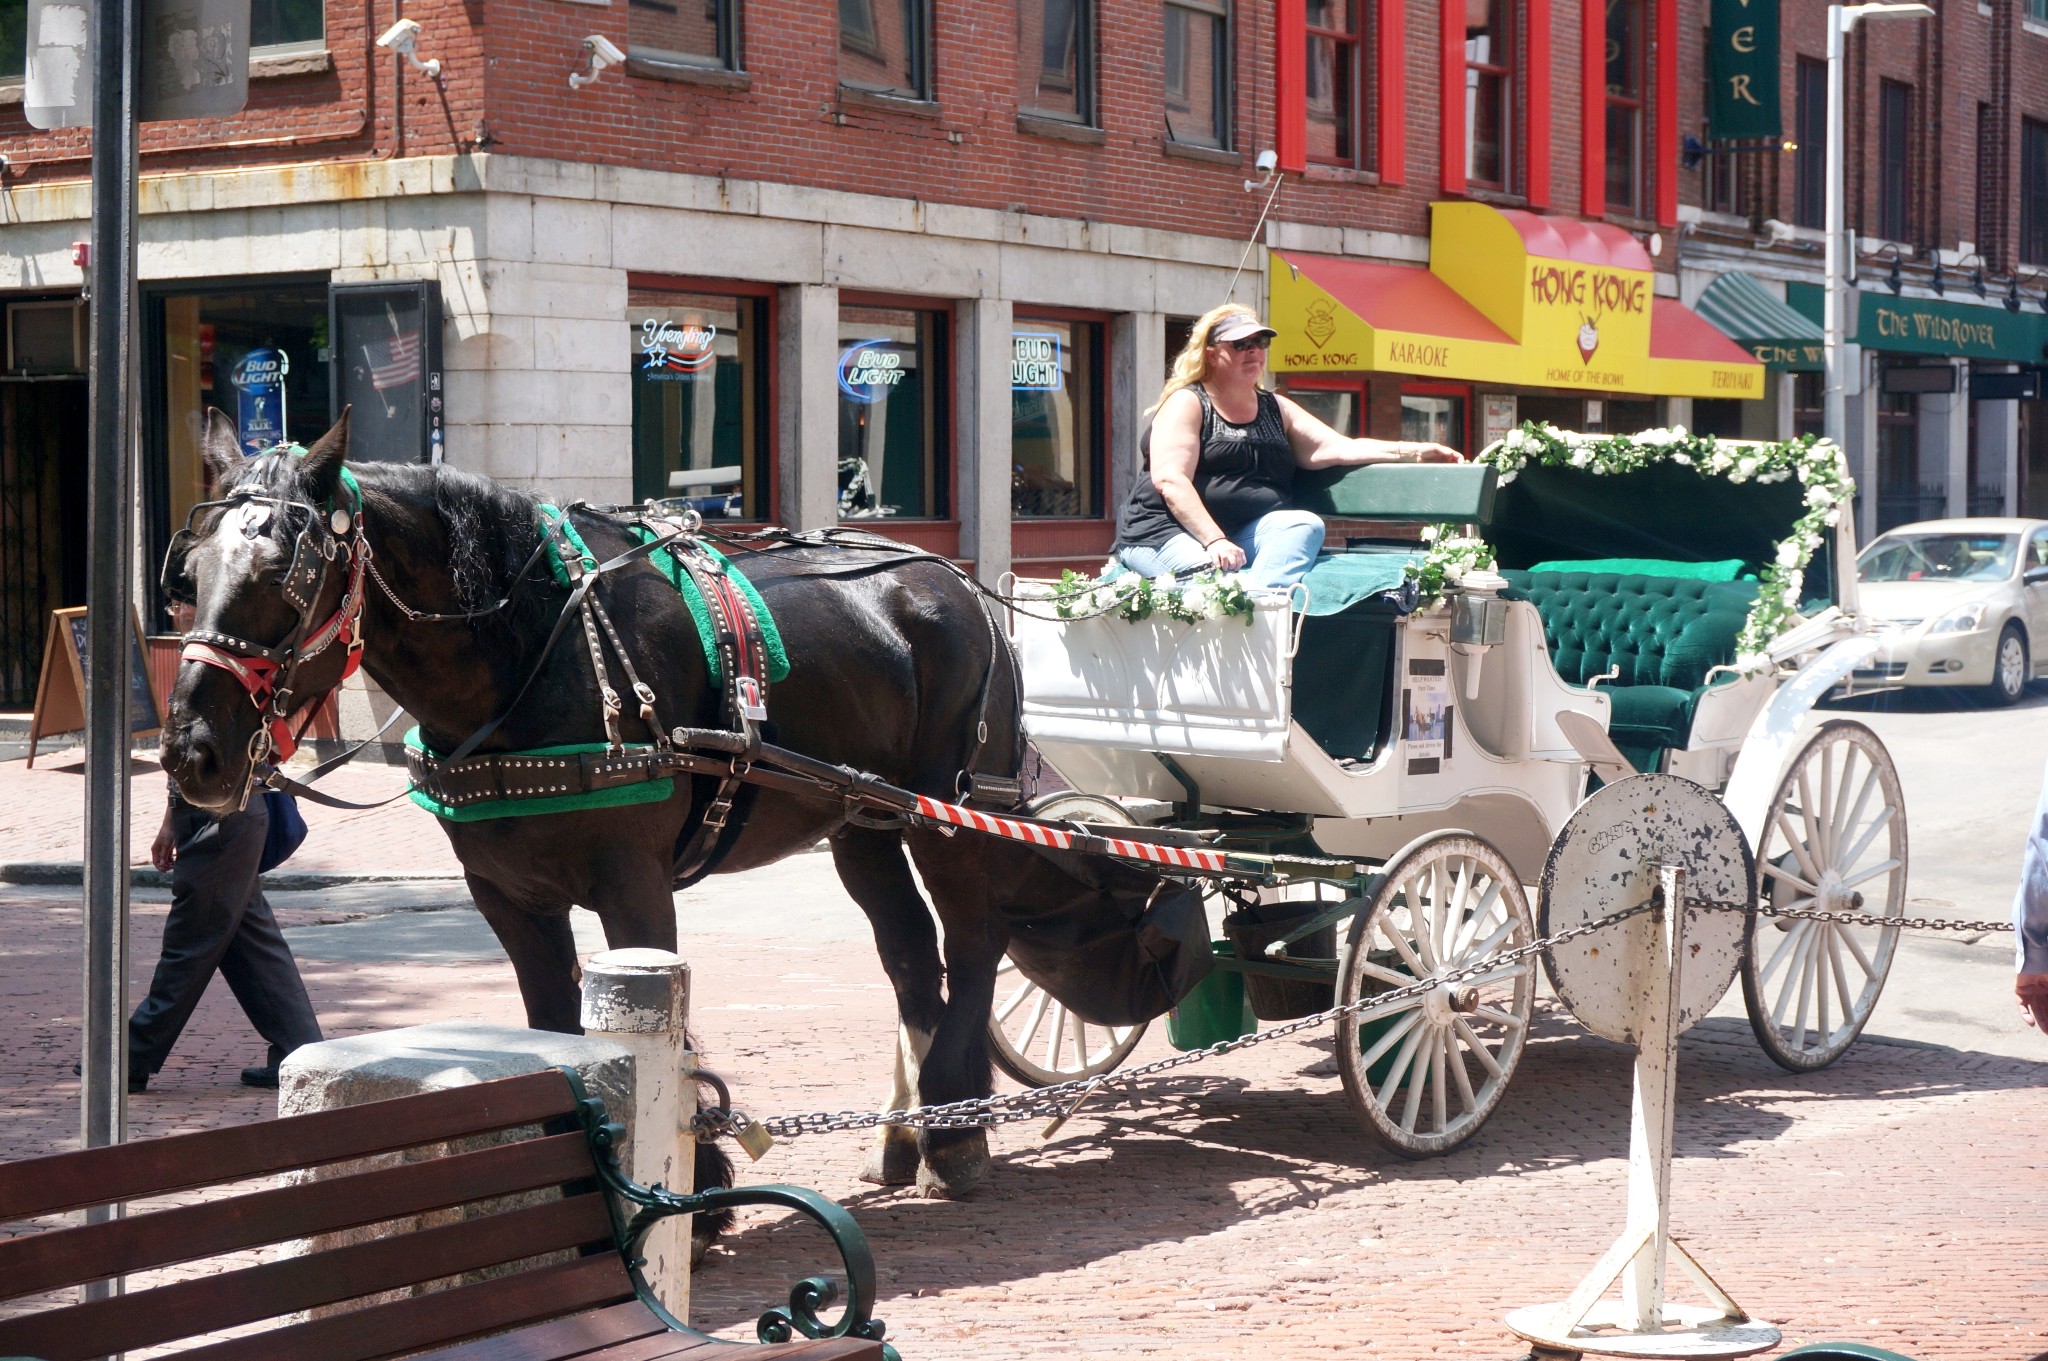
x=1250 y=343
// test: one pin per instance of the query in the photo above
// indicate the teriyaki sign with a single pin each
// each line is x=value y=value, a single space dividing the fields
x=259 y=377
x=869 y=370
x=1035 y=362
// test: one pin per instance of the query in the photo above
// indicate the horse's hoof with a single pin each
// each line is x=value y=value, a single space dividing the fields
x=700 y=1244
x=892 y=1162
x=951 y=1170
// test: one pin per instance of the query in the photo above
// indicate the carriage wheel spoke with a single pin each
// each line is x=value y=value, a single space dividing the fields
x=1822 y=951
x=1871 y=784
x=1380 y=973
x=1841 y=975
x=1498 y=975
x=1482 y=915
x=1827 y=807
x=1785 y=876
x=1856 y=949
x=1881 y=867
x=1794 y=948
x=1799 y=848
x=1506 y=1018
x=1419 y=916
x=1059 y=1030
x=1814 y=842
x=1438 y=1098
x=1391 y=1038
x=1404 y=949
x=1466 y=1096
x=1849 y=813
x=1016 y=1000
x=1454 y=916
x=1791 y=942
x=1418 y=1077
x=1877 y=824
x=1477 y=1046
x=1037 y=1017
x=1399 y=1069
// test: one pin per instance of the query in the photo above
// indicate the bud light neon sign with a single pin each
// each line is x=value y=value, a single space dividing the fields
x=869 y=370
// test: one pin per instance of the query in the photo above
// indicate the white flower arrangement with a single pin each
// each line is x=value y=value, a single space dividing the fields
x=1211 y=595
x=1818 y=464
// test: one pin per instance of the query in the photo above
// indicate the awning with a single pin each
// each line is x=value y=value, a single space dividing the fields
x=1509 y=297
x=1753 y=318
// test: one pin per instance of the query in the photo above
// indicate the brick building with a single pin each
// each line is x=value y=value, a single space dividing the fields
x=924 y=263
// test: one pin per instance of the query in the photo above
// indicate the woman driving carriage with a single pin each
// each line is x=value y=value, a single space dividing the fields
x=1220 y=455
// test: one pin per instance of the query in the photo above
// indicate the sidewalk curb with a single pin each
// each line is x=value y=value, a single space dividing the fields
x=71 y=874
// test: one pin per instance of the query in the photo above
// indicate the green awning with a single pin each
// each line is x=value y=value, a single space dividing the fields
x=1746 y=311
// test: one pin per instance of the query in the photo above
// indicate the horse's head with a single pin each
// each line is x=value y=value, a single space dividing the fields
x=273 y=570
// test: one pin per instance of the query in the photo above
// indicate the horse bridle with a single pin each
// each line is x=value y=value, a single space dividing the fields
x=269 y=674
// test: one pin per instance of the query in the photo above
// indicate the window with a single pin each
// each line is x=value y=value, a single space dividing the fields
x=1990 y=215
x=1809 y=397
x=1810 y=162
x=1489 y=101
x=1057 y=417
x=291 y=25
x=1625 y=106
x=883 y=47
x=1894 y=178
x=1434 y=412
x=2037 y=10
x=894 y=451
x=701 y=408
x=683 y=32
x=2033 y=192
x=1198 y=72
x=1730 y=183
x=1335 y=82
x=1056 y=59
x=13 y=39
x=1340 y=408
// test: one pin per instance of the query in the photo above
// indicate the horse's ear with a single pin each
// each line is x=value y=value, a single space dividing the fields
x=219 y=445
x=321 y=467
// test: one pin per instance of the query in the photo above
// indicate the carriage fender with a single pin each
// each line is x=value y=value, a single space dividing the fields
x=1776 y=732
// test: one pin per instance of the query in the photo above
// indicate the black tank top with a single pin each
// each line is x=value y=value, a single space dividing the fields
x=1242 y=472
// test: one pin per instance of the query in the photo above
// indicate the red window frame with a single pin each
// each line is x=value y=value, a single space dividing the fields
x=1638 y=105
x=1504 y=69
x=771 y=322
x=1350 y=48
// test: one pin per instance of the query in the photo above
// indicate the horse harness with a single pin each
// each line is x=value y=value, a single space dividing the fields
x=734 y=757
x=269 y=675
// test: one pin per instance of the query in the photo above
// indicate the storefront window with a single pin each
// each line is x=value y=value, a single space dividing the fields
x=232 y=349
x=1899 y=494
x=1437 y=418
x=893 y=447
x=700 y=400
x=1056 y=418
x=1809 y=391
x=1337 y=408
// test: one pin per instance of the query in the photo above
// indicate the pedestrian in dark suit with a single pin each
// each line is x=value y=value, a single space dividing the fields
x=219 y=920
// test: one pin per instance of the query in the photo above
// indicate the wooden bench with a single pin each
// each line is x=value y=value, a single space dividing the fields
x=558 y=1246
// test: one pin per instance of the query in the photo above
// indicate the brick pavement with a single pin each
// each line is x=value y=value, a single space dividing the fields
x=1893 y=1198
x=42 y=815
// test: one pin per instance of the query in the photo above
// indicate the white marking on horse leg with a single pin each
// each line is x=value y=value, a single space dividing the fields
x=912 y=1044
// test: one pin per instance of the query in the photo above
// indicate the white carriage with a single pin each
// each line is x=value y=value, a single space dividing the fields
x=1663 y=602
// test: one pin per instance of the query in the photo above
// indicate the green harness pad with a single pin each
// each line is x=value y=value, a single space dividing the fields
x=700 y=608
x=648 y=791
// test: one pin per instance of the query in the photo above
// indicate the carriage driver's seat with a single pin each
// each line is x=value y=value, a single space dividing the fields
x=1663 y=633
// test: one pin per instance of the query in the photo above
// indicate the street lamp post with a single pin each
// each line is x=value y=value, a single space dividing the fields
x=1842 y=18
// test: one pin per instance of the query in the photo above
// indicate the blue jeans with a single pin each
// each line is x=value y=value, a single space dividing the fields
x=1280 y=546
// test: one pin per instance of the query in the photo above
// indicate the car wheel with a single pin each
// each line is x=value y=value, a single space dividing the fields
x=2010 y=667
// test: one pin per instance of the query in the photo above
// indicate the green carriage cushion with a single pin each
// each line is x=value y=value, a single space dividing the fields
x=1726 y=569
x=1664 y=633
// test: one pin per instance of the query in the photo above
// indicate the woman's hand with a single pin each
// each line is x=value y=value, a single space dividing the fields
x=1224 y=555
x=1413 y=451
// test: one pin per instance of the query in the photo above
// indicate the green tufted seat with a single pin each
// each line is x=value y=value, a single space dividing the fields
x=1665 y=633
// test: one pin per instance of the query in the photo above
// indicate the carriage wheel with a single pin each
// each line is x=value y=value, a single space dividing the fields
x=1425 y=1075
x=1031 y=1036
x=1835 y=842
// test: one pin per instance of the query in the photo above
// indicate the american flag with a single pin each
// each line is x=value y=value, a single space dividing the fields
x=394 y=362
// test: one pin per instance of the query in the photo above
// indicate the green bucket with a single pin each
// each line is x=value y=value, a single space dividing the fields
x=1215 y=1011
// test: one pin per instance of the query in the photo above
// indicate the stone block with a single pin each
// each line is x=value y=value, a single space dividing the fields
x=805 y=204
x=670 y=241
x=572 y=232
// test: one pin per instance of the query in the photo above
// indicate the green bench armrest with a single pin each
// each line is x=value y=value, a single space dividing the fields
x=1430 y=493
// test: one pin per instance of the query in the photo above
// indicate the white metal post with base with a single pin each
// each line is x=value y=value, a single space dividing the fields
x=1647 y=1001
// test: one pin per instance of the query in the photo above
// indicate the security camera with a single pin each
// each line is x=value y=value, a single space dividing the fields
x=603 y=52
x=403 y=38
x=1267 y=162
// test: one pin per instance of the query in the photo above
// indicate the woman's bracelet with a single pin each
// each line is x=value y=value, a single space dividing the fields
x=1213 y=542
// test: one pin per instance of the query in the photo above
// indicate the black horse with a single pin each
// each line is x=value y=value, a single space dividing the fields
x=890 y=658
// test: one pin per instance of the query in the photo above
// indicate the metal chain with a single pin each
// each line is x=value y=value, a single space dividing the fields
x=1062 y=1097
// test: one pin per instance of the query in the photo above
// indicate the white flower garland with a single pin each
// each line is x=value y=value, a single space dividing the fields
x=1211 y=595
x=1819 y=465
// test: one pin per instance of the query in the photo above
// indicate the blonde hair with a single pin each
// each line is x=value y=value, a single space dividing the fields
x=1191 y=365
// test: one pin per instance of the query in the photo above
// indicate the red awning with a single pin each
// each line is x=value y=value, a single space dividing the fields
x=1397 y=298
x=1678 y=332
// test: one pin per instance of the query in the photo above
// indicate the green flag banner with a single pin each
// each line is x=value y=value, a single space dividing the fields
x=1742 y=60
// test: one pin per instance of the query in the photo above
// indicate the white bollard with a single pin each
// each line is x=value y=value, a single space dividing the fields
x=639 y=999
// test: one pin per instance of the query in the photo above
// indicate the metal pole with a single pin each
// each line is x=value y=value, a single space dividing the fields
x=104 y=1113
x=1835 y=416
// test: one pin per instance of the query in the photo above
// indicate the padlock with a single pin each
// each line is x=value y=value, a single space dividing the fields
x=755 y=1139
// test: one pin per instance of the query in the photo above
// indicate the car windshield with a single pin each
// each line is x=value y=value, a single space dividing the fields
x=1939 y=557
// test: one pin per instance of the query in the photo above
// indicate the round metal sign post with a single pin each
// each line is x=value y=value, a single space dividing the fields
x=1664 y=840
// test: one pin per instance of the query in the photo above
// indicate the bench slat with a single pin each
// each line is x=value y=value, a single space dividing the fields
x=120 y=1247
x=683 y=1347
x=414 y=1325
x=209 y=1304
x=120 y=1172
x=563 y=1338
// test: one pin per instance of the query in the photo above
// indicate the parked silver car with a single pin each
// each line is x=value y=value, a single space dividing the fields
x=1958 y=603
